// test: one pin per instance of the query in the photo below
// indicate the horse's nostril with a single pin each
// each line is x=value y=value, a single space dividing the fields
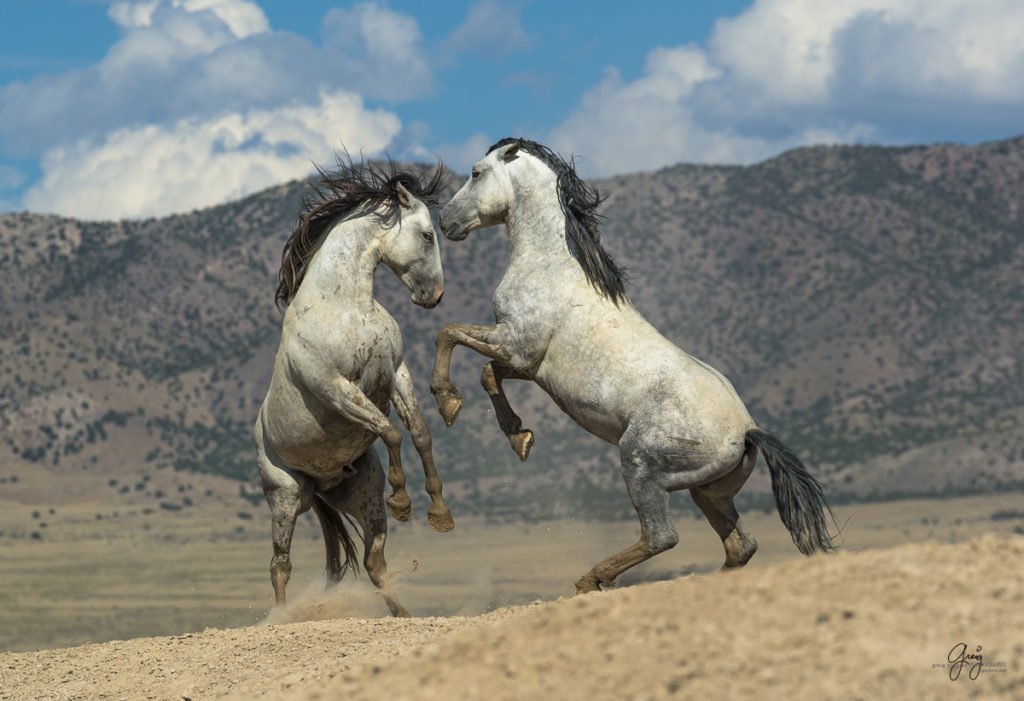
x=438 y=300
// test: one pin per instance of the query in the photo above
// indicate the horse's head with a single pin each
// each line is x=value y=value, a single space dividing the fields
x=410 y=250
x=485 y=198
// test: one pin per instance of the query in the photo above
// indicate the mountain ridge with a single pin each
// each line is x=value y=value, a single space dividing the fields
x=865 y=302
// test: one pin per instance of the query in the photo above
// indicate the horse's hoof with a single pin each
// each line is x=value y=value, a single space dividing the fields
x=441 y=520
x=586 y=584
x=400 y=506
x=449 y=403
x=521 y=443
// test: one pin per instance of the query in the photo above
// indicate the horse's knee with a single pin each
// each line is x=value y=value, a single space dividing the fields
x=488 y=380
x=661 y=539
x=391 y=436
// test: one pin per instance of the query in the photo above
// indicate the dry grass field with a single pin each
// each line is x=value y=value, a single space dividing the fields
x=93 y=576
x=885 y=618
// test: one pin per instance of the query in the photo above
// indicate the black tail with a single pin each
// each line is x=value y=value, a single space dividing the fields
x=336 y=534
x=798 y=496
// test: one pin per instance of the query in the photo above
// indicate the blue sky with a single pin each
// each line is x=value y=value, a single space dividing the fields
x=134 y=108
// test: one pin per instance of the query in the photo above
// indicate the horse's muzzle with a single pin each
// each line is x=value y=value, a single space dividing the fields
x=434 y=302
x=451 y=230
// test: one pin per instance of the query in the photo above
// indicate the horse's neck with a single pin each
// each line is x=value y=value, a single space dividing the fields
x=342 y=270
x=536 y=226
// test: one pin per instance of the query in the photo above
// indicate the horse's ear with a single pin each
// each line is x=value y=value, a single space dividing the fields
x=510 y=151
x=404 y=198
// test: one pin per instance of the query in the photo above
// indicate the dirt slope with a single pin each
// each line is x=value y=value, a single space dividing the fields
x=878 y=624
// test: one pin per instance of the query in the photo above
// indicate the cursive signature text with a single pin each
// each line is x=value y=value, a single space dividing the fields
x=959 y=658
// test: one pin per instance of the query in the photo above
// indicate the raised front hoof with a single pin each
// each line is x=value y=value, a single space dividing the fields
x=586 y=584
x=441 y=520
x=449 y=403
x=400 y=506
x=521 y=443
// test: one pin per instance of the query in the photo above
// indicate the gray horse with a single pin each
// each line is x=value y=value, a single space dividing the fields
x=339 y=368
x=563 y=321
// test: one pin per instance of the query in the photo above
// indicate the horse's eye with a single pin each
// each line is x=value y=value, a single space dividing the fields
x=428 y=236
x=475 y=173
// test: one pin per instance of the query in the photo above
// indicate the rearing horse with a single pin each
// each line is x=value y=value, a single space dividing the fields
x=339 y=368
x=563 y=321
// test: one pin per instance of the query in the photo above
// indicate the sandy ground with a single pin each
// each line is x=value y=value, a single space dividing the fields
x=855 y=625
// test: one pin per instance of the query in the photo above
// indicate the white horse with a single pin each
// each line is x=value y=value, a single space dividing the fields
x=339 y=368
x=563 y=321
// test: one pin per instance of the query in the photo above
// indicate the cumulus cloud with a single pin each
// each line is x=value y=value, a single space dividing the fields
x=242 y=18
x=200 y=100
x=175 y=59
x=154 y=170
x=380 y=51
x=791 y=72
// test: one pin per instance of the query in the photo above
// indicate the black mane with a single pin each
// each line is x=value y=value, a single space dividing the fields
x=579 y=204
x=337 y=194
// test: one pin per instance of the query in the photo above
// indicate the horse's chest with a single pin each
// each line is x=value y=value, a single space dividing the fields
x=372 y=370
x=530 y=314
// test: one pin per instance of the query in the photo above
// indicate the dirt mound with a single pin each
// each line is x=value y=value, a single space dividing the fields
x=879 y=624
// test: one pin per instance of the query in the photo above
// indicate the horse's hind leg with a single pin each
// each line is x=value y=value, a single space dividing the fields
x=288 y=494
x=657 y=534
x=715 y=500
x=721 y=513
x=511 y=425
x=362 y=496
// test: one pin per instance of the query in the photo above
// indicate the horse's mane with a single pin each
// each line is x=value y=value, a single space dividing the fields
x=579 y=203
x=337 y=194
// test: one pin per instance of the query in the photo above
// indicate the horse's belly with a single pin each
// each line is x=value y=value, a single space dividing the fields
x=314 y=439
x=585 y=404
x=321 y=449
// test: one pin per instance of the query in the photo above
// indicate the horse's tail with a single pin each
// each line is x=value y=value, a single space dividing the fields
x=798 y=496
x=336 y=538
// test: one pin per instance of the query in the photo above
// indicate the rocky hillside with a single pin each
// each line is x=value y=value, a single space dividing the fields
x=866 y=302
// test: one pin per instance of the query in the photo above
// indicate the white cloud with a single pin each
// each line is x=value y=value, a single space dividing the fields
x=803 y=52
x=490 y=28
x=194 y=59
x=153 y=170
x=381 y=51
x=242 y=17
x=175 y=59
x=199 y=101
x=652 y=121
x=790 y=72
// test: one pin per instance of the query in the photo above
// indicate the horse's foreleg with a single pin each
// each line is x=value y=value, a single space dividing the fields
x=511 y=425
x=485 y=340
x=349 y=401
x=408 y=409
